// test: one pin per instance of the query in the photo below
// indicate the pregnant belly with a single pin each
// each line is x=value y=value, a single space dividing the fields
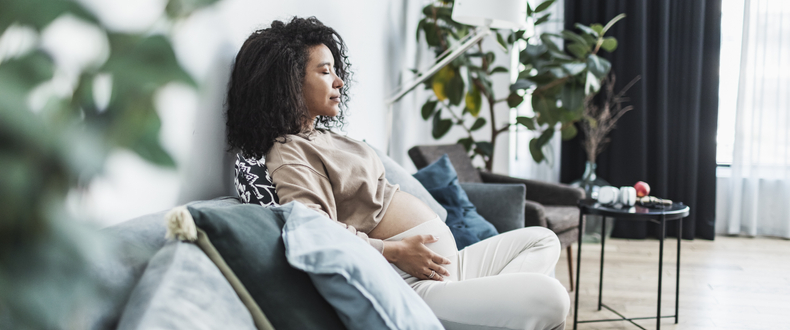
x=404 y=212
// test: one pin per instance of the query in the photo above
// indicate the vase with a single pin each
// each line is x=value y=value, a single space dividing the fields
x=591 y=183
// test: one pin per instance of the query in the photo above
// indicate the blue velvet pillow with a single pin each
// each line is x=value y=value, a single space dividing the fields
x=441 y=181
x=467 y=226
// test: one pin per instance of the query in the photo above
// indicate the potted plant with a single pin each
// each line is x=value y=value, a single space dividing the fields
x=558 y=81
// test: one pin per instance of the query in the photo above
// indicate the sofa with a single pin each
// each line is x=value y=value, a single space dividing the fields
x=159 y=283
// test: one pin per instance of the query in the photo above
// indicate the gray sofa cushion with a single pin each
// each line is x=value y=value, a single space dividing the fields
x=502 y=204
x=182 y=289
x=397 y=175
x=136 y=241
x=248 y=239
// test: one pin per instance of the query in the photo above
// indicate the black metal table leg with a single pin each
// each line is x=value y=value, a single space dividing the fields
x=662 y=232
x=600 y=279
x=677 y=270
x=578 y=270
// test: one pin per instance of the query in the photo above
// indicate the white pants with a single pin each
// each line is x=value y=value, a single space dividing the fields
x=503 y=282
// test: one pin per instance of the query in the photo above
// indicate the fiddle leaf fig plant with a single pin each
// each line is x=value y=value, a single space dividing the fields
x=57 y=147
x=463 y=88
x=559 y=81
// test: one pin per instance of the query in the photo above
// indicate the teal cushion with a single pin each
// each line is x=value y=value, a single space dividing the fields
x=354 y=277
x=467 y=226
x=248 y=237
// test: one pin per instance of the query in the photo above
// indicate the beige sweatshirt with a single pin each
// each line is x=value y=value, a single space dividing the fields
x=334 y=175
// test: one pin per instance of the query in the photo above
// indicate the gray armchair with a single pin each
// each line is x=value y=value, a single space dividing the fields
x=547 y=204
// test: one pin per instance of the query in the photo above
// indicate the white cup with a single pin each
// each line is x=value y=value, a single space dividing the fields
x=608 y=195
x=627 y=196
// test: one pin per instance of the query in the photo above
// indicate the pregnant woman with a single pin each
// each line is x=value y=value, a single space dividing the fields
x=287 y=89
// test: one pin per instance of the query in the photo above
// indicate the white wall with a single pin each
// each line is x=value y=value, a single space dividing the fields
x=192 y=121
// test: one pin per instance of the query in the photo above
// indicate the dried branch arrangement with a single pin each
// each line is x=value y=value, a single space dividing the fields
x=600 y=120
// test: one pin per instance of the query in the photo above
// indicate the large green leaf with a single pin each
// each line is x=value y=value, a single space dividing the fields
x=535 y=150
x=574 y=68
x=19 y=75
x=501 y=41
x=39 y=13
x=521 y=84
x=427 y=109
x=479 y=123
x=546 y=39
x=598 y=28
x=148 y=61
x=544 y=5
x=572 y=97
x=542 y=19
x=431 y=34
x=609 y=44
x=527 y=122
x=599 y=66
x=180 y=8
x=474 y=102
x=513 y=100
x=440 y=126
x=592 y=84
x=568 y=132
x=466 y=142
x=484 y=148
x=587 y=29
x=546 y=108
x=575 y=38
x=545 y=137
x=578 y=50
x=455 y=89
x=499 y=69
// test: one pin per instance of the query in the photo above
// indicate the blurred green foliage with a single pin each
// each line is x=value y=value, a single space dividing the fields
x=45 y=257
x=558 y=80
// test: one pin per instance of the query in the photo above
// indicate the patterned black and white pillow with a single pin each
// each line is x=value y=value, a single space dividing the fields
x=253 y=183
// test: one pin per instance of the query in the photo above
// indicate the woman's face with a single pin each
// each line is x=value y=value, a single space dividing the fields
x=321 y=85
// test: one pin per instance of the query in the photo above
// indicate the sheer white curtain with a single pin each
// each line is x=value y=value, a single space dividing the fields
x=759 y=187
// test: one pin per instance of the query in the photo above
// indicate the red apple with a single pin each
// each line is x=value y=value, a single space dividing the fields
x=642 y=189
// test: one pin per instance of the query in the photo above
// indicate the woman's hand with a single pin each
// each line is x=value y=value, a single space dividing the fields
x=413 y=257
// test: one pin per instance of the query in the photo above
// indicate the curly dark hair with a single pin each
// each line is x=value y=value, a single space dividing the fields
x=265 y=99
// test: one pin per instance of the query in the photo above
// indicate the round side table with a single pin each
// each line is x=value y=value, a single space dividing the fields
x=658 y=215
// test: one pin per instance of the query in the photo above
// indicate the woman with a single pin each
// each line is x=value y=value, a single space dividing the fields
x=290 y=79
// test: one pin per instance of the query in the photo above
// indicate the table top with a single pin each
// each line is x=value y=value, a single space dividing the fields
x=637 y=212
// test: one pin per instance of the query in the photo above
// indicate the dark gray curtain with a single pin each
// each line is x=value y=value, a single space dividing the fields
x=669 y=140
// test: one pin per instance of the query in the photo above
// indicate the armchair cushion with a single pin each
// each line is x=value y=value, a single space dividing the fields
x=465 y=223
x=500 y=204
x=562 y=218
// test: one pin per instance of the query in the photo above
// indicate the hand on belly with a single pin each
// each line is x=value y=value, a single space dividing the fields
x=413 y=257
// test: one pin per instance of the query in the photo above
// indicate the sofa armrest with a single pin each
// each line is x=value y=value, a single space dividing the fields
x=500 y=204
x=545 y=193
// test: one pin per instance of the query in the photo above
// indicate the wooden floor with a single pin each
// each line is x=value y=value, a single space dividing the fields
x=729 y=283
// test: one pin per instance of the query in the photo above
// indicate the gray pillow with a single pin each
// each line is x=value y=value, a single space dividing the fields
x=182 y=289
x=351 y=275
x=397 y=175
x=245 y=242
x=136 y=241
